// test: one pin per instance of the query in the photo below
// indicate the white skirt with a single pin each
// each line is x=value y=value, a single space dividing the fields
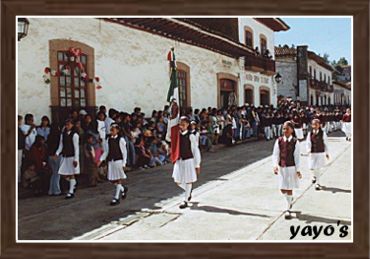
x=67 y=168
x=115 y=170
x=316 y=160
x=288 y=179
x=347 y=128
x=299 y=133
x=184 y=171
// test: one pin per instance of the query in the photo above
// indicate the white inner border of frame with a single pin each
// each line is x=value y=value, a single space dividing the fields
x=182 y=241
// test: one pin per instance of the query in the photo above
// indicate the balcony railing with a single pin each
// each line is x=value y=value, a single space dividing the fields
x=260 y=64
x=320 y=85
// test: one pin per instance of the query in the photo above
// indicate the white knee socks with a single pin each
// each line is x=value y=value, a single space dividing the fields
x=187 y=191
x=72 y=184
x=289 y=199
x=119 y=188
x=317 y=175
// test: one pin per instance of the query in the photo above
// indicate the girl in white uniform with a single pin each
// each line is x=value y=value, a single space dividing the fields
x=70 y=151
x=286 y=164
x=115 y=153
x=184 y=172
x=347 y=125
x=317 y=148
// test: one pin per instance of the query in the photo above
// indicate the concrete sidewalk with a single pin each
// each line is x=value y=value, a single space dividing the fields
x=245 y=205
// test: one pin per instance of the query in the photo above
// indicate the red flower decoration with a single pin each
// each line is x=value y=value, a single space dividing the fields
x=47 y=70
x=97 y=79
x=99 y=87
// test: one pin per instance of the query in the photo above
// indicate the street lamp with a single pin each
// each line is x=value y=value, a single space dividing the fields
x=23 y=25
x=278 y=78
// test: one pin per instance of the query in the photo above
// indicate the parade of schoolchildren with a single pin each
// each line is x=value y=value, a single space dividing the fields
x=104 y=146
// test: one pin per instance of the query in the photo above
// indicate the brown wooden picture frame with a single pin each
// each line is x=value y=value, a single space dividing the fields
x=358 y=249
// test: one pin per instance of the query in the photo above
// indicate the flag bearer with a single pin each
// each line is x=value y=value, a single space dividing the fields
x=188 y=159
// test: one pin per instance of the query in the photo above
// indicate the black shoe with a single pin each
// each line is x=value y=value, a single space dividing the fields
x=69 y=195
x=114 y=202
x=183 y=205
x=314 y=179
x=287 y=215
x=318 y=187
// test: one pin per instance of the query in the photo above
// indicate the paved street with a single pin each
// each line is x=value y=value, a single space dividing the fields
x=90 y=209
x=236 y=198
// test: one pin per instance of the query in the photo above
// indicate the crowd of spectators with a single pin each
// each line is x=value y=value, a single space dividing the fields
x=145 y=136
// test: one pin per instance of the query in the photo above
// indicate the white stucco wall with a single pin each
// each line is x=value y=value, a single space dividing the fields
x=338 y=91
x=131 y=64
x=315 y=66
x=287 y=68
x=319 y=69
x=258 y=29
x=259 y=80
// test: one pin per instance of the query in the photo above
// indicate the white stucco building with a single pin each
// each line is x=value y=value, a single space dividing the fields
x=129 y=55
x=305 y=75
x=342 y=93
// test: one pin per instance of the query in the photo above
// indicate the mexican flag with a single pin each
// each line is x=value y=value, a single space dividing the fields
x=173 y=97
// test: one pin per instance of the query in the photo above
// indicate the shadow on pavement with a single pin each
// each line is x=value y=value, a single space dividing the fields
x=311 y=218
x=53 y=218
x=334 y=189
x=195 y=206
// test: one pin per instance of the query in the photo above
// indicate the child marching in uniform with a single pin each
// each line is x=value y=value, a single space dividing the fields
x=115 y=153
x=286 y=162
x=69 y=149
x=184 y=171
x=346 y=124
x=298 y=126
x=317 y=147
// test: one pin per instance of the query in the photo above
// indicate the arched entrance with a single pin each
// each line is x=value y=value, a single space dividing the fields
x=249 y=94
x=227 y=90
x=264 y=96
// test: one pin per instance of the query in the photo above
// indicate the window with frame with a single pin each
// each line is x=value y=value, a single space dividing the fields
x=263 y=43
x=182 y=85
x=72 y=87
x=249 y=38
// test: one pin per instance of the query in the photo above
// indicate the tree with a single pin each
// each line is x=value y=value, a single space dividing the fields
x=326 y=58
x=342 y=61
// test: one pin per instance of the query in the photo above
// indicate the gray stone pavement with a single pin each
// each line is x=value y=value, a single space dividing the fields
x=246 y=205
x=53 y=218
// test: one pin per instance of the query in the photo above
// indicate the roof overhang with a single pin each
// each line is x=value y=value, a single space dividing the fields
x=188 y=33
x=275 y=24
x=319 y=60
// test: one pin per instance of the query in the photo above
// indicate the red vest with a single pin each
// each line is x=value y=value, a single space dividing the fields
x=317 y=142
x=286 y=152
x=347 y=117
